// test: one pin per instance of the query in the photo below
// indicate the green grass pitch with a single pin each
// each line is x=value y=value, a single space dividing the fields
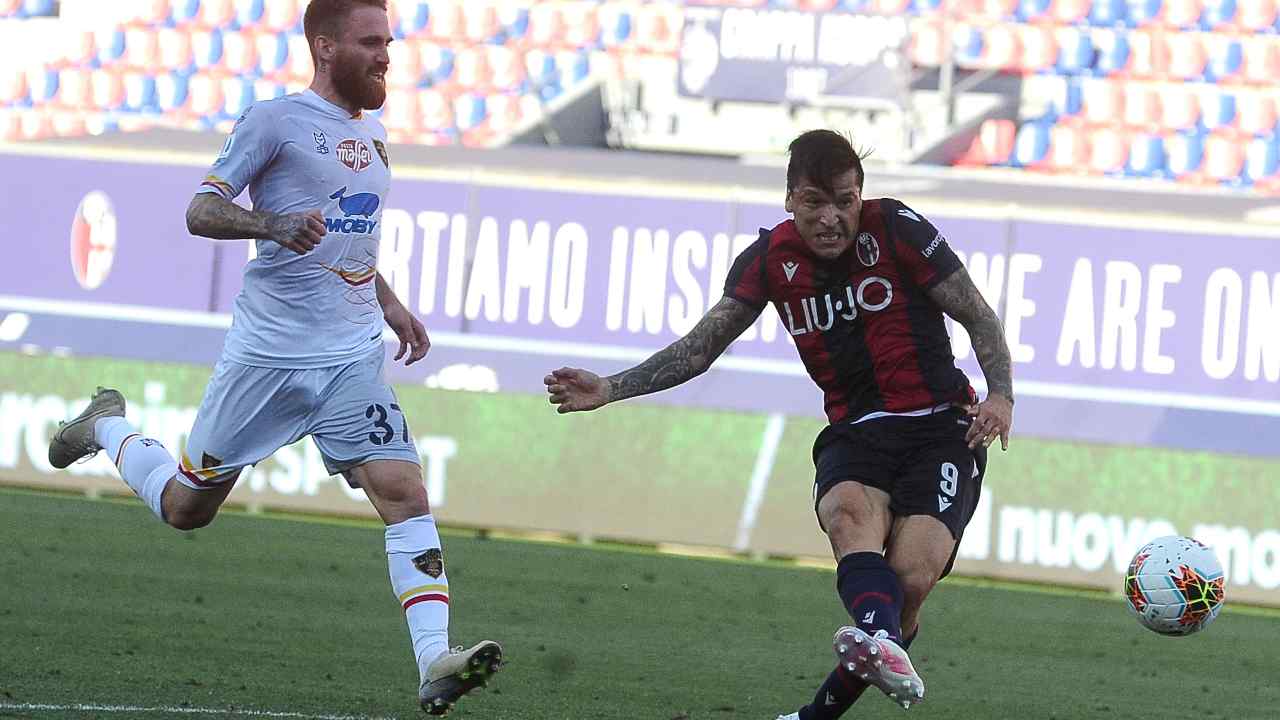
x=101 y=605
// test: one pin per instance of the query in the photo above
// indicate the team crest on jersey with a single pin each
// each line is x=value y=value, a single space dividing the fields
x=354 y=154
x=322 y=142
x=381 y=147
x=868 y=249
x=430 y=563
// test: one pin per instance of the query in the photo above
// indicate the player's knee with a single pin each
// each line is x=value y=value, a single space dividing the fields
x=189 y=518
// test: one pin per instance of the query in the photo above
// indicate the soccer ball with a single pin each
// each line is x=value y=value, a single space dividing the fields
x=1174 y=585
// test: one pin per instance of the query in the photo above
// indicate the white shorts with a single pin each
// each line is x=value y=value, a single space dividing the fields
x=249 y=412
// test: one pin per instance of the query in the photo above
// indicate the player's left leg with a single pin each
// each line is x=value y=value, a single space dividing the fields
x=362 y=433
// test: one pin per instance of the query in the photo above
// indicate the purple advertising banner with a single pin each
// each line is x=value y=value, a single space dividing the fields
x=1118 y=335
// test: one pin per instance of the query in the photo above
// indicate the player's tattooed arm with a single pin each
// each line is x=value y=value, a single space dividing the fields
x=687 y=357
x=961 y=299
x=217 y=218
x=575 y=390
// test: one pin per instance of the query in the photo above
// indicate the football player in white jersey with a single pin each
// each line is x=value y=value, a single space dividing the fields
x=304 y=353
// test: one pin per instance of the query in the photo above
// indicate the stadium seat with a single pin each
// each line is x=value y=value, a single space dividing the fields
x=1070 y=12
x=141 y=49
x=1108 y=151
x=1142 y=13
x=546 y=26
x=68 y=124
x=300 y=68
x=659 y=24
x=504 y=113
x=13 y=85
x=1179 y=107
x=206 y=47
x=149 y=12
x=42 y=84
x=1218 y=15
x=74 y=89
x=434 y=110
x=1257 y=16
x=1223 y=158
x=1217 y=108
x=471 y=69
x=1001 y=50
x=515 y=21
x=1256 y=114
x=282 y=15
x=1146 y=156
x=207 y=98
x=444 y=21
x=221 y=14
x=267 y=90
x=1262 y=159
x=926 y=43
x=240 y=53
x=1075 y=50
x=401 y=110
x=172 y=91
x=185 y=11
x=109 y=42
x=1184 y=154
x=1065 y=95
x=507 y=68
x=1148 y=55
x=174 y=47
x=1034 y=10
x=35 y=124
x=77 y=47
x=249 y=13
x=273 y=52
x=480 y=22
x=997 y=10
x=412 y=16
x=581 y=26
x=469 y=111
x=541 y=67
x=1184 y=14
x=1031 y=145
x=106 y=89
x=239 y=94
x=139 y=92
x=406 y=64
x=1112 y=52
x=1102 y=100
x=39 y=8
x=1068 y=149
x=967 y=45
x=1108 y=13
x=1141 y=107
x=992 y=145
x=615 y=24
x=1039 y=48
x=10 y=121
x=1226 y=59
x=1188 y=57
x=437 y=62
x=573 y=66
x=1261 y=57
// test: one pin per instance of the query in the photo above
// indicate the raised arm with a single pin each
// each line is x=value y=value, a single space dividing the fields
x=572 y=389
x=213 y=216
x=958 y=297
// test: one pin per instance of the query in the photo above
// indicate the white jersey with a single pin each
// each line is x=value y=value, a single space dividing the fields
x=299 y=153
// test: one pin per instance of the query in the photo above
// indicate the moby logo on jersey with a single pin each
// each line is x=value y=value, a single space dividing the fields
x=353 y=207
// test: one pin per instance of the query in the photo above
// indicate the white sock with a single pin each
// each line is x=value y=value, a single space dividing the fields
x=143 y=462
x=418 y=579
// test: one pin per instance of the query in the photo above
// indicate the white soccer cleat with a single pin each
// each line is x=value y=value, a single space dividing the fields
x=792 y=716
x=881 y=662
x=74 y=439
x=457 y=673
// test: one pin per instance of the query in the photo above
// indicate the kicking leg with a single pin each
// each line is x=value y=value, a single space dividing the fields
x=416 y=564
x=920 y=546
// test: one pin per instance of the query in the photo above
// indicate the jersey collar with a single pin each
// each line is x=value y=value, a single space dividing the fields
x=315 y=99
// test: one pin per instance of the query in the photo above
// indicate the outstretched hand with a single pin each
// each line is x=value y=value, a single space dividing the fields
x=992 y=418
x=574 y=390
x=410 y=330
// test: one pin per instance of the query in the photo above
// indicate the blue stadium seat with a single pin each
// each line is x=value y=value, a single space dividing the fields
x=1143 y=12
x=573 y=66
x=172 y=90
x=248 y=12
x=240 y=94
x=140 y=92
x=1108 y=13
x=1217 y=109
x=185 y=11
x=110 y=43
x=1184 y=153
x=1066 y=96
x=1226 y=59
x=1075 y=51
x=437 y=63
x=273 y=52
x=1033 y=9
x=469 y=111
x=38 y=8
x=1031 y=144
x=1262 y=159
x=1112 y=52
x=413 y=19
x=206 y=45
x=1146 y=156
x=1217 y=12
x=42 y=84
x=966 y=42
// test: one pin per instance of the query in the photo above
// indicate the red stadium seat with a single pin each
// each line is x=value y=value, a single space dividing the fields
x=1103 y=100
x=581 y=27
x=1261 y=60
x=13 y=84
x=1070 y=12
x=926 y=43
x=1141 y=107
x=435 y=112
x=1068 y=149
x=1183 y=14
x=507 y=67
x=175 y=48
x=10 y=123
x=281 y=15
x=141 y=49
x=1000 y=48
x=504 y=113
x=1187 y=56
x=206 y=95
x=659 y=26
x=68 y=124
x=75 y=89
x=240 y=53
x=480 y=21
x=1223 y=158
x=445 y=22
x=106 y=89
x=1179 y=107
x=546 y=26
x=997 y=10
x=471 y=69
x=406 y=64
x=150 y=12
x=1256 y=113
x=218 y=13
x=1148 y=55
x=1039 y=48
x=78 y=47
x=1256 y=16
x=36 y=124
x=1108 y=150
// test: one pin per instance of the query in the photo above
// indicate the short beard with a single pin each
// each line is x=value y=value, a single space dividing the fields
x=356 y=87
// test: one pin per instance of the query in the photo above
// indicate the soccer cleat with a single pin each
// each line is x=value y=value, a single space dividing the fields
x=457 y=673
x=881 y=662
x=74 y=439
x=792 y=716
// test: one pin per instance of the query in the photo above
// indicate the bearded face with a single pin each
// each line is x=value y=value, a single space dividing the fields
x=360 y=78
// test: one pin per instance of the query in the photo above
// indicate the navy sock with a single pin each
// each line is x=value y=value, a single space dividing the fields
x=871 y=593
x=839 y=692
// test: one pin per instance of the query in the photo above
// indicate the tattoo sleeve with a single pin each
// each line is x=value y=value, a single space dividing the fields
x=217 y=218
x=687 y=357
x=960 y=298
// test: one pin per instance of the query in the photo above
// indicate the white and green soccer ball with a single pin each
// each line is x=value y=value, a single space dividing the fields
x=1174 y=585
